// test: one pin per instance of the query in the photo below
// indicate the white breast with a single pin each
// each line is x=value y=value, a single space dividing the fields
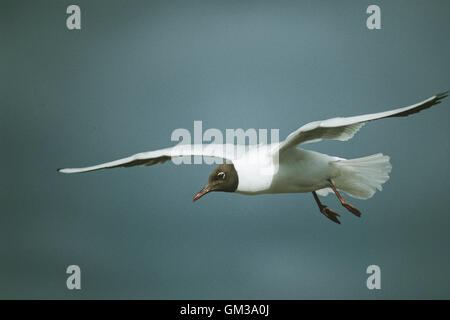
x=256 y=170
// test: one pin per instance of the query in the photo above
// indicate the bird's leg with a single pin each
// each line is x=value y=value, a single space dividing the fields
x=329 y=213
x=344 y=203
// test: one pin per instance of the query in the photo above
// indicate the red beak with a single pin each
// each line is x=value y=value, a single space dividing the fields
x=201 y=193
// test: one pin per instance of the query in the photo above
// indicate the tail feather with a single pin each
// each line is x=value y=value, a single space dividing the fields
x=361 y=177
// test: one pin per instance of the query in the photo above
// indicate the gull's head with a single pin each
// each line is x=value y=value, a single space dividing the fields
x=223 y=178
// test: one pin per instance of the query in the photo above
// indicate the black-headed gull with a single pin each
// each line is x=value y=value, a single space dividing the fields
x=283 y=168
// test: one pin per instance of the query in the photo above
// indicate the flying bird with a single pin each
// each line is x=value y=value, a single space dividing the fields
x=281 y=167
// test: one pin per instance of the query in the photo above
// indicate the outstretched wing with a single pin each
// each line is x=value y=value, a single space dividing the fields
x=225 y=151
x=344 y=129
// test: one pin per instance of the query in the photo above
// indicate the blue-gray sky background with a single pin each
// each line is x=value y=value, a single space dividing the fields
x=140 y=69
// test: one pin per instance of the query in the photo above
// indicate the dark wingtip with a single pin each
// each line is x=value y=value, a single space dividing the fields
x=59 y=169
x=442 y=95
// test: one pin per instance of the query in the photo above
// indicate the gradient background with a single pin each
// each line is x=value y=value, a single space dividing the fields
x=140 y=69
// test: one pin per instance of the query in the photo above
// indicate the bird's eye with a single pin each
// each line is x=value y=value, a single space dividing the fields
x=221 y=175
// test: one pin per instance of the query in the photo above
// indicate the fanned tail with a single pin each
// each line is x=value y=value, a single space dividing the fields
x=361 y=177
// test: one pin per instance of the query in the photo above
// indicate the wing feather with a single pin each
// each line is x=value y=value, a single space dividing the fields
x=225 y=151
x=344 y=129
